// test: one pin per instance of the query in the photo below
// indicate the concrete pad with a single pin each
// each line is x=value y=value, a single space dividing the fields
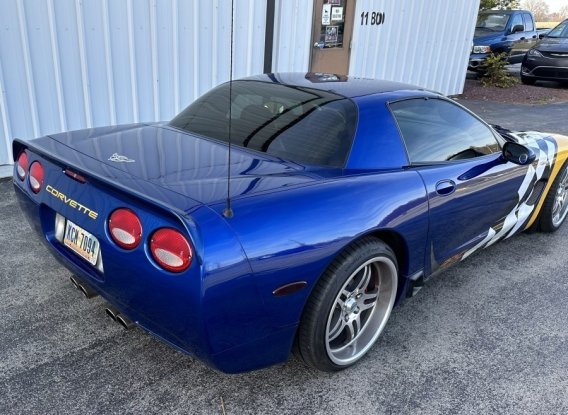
x=522 y=117
x=6 y=170
x=487 y=336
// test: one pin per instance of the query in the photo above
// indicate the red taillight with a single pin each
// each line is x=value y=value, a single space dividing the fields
x=22 y=166
x=125 y=228
x=36 y=176
x=171 y=250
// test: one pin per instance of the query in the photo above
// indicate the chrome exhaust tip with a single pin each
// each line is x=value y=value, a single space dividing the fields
x=86 y=289
x=124 y=322
x=74 y=281
x=112 y=313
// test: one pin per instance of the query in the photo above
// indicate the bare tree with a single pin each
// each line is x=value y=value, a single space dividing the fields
x=538 y=8
x=498 y=4
x=563 y=12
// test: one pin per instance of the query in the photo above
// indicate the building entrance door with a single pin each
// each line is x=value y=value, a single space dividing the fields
x=331 y=35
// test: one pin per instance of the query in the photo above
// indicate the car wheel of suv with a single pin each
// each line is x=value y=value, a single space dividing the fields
x=555 y=207
x=527 y=81
x=349 y=307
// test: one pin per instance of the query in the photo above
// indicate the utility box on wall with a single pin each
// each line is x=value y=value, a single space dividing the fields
x=71 y=64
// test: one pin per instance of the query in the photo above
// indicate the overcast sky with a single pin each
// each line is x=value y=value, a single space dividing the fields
x=555 y=4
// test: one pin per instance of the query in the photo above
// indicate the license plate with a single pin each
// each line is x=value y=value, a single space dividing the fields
x=81 y=242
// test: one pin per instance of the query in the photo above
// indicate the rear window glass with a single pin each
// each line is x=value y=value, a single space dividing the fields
x=298 y=124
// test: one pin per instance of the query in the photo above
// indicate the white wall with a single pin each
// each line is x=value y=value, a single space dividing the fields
x=425 y=43
x=70 y=64
x=292 y=35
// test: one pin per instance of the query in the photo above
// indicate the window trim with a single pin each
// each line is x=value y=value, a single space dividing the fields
x=500 y=140
x=512 y=25
x=527 y=17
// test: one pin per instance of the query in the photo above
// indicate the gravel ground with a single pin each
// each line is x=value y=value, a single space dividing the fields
x=541 y=93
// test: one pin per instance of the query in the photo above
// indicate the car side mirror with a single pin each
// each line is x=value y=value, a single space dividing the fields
x=518 y=28
x=518 y=153
x=542 y=36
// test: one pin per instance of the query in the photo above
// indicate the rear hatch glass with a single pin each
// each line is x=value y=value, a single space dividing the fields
x=303 y=125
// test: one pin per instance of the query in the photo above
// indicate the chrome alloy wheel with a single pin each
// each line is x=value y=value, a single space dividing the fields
x=361 y=310
x=560 y=208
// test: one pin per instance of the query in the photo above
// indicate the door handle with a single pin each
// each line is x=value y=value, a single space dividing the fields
x=445 y=187
x=523 y=38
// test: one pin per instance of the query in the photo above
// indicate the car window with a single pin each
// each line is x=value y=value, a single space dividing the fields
x=303 y=125
x=494 y=22
x=436 y=130
x=517 y=20
x=560 y=31
x=529 y=26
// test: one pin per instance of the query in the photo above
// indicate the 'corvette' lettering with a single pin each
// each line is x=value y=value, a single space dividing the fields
x=70 y=202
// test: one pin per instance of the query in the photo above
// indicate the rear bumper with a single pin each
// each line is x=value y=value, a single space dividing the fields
x=182 y=314
x=34 y=211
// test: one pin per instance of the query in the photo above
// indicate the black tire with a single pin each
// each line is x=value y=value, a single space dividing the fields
x=527 y=81
x=547 y=221
x=367 y=259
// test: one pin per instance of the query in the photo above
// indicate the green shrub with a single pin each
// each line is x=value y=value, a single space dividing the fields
x=495 y=73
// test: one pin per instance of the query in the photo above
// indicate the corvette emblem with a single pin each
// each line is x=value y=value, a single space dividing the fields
x=120 y=159
x=71 y=202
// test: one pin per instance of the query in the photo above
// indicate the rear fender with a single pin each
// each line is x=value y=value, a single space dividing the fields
x=318 y=222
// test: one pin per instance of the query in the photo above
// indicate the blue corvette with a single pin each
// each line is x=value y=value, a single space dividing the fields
x=344 y=196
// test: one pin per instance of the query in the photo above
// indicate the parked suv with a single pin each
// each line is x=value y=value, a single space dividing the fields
x=498 y=31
